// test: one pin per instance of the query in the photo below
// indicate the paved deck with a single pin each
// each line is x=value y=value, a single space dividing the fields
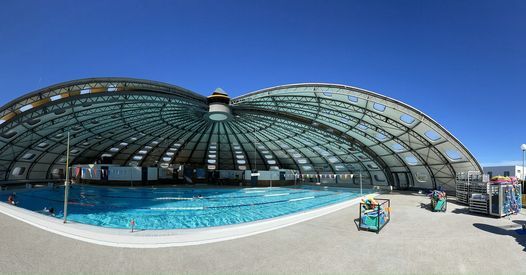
x=416 y=241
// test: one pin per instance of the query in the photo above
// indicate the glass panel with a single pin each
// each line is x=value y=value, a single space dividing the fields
x=28 y=156
x=454 y=154
x=397 y=147
x=379 y=107
x=26 y=107
x=56 y=97
x=407 y=118
x=18 y=171
x=42 y=145
x=432 y=135
x=411 y=160
x=380 y=136
x=332 y=159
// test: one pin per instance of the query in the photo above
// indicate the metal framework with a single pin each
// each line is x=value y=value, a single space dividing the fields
x=312 y=127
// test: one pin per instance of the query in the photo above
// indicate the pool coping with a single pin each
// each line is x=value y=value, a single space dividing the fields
x=166 y=238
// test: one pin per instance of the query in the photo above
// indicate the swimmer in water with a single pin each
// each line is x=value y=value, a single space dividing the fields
x=50 y=211
x=11 y=200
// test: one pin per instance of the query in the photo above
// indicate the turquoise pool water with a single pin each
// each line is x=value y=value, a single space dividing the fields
x=177 y=208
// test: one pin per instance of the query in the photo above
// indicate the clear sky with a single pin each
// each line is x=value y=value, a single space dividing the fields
x=461 y=62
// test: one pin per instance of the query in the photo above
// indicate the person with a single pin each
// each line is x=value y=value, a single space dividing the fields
x=11 y=200
x=49 y=211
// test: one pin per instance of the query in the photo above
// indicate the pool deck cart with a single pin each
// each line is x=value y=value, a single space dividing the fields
x=375 y=219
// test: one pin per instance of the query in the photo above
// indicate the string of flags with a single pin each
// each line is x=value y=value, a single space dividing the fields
x=328 y=176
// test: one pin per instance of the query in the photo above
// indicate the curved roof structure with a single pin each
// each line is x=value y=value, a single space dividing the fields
x=310 y=127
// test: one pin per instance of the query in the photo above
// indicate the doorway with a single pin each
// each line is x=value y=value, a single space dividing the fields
x=403 y=180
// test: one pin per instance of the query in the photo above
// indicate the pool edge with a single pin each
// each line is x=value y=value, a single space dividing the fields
x=169 y=238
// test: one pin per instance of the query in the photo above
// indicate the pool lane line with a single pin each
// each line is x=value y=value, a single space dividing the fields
x=275 y=195
x=155 y=198
x=268 y=202
x=173 y=198
x=300 y=199
x=176 y=208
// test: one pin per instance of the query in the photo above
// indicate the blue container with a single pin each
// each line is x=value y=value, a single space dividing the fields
x=370 y=220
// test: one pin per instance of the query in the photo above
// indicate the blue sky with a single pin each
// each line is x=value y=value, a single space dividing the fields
x=461 y=62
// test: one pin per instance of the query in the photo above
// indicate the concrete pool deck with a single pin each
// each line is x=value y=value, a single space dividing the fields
x=415 y=241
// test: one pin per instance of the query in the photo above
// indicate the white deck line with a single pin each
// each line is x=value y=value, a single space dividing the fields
x=164 y=238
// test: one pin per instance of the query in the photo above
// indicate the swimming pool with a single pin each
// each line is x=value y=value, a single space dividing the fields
x=179 y=208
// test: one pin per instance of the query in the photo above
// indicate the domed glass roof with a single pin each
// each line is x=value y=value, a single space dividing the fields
x=310 y=127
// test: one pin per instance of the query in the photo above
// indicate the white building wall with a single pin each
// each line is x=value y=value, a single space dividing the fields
x=125 y=173
x=514 y=171
x=153 y=173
